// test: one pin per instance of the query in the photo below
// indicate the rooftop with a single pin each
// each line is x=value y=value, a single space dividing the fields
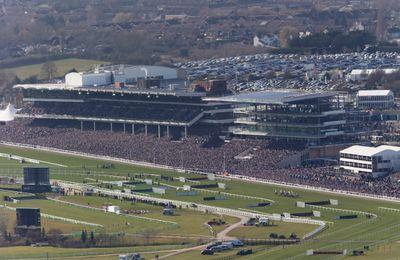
x=272 y=97
x=370 y=71
x=365 y=93
x=369 y=151
x=180 y=92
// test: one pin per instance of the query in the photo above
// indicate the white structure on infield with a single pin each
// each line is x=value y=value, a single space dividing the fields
x=375 y=99
x=376 y=161
x=113 y=209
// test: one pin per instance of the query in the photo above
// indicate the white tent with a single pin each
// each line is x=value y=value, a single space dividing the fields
x=8 y=114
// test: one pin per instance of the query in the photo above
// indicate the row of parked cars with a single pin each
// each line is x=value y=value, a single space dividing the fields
x=260 y=66
x=221 y=246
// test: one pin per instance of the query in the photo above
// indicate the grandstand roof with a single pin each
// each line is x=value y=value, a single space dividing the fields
x=272 y=97
x=112 y=89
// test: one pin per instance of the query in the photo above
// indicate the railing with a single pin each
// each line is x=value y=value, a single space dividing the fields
x=74 y=221
x=211 y=209
x=231 y=176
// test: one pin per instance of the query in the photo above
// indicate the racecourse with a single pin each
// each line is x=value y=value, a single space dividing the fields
x=339 y=234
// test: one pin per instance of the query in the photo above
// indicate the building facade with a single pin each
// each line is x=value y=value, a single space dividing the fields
x=375 y=99
x=291 y=115
x=375 y=161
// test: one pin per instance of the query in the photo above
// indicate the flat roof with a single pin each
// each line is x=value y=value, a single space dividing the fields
x=368 y=93
x=369 y=151
x=369 y=71
x=272 y=96
x=112 y=89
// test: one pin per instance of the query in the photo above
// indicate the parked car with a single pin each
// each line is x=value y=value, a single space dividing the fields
x=237 y=243
x=245 y=252
x=207 y=252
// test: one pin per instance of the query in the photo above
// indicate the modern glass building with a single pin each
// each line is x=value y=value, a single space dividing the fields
x=315 y=117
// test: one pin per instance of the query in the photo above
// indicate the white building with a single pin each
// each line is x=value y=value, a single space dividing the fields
x=375 y=99
x=363 y=74
x=81 y=79
x=130 y=74
x=376 y=161
x=266 y=41
x=357 y=26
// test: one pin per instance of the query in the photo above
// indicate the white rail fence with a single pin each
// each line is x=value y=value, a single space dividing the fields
x=70 y=220
x=235 y=177
x=194 y=206
x=120 y=214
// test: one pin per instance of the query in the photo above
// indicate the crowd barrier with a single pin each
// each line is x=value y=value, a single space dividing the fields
x=198 y=207
x=235 y=177
x=122 y=214
x=231 y=177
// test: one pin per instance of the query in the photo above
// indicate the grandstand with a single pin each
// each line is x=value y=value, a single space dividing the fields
x=292 y=115
x=137 y=99
x=131 y=107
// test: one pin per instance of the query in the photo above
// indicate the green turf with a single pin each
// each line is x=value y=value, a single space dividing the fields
x=28 y=252
x=9 y=219
x=190 y=222
x=341 y=234
x=281 y=228
x=63 y=66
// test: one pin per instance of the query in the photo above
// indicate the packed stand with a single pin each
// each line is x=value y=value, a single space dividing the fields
x=198 y=153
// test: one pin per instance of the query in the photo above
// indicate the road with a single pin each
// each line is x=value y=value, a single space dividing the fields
x=221 y=236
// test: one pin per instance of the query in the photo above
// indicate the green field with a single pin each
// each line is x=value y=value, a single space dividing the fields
x=28 y=252
x=281 y=228
x=63 y=66
x=341 y=234
x=65 y=227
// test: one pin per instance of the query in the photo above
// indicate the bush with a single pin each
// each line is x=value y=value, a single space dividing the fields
x=273 y=235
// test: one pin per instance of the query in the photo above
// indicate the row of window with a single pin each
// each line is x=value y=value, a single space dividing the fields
x=356 y=165
x=375 y=98
x=355 y=157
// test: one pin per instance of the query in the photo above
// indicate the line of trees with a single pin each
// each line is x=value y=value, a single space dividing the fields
x=380 y=80
x=330 y=42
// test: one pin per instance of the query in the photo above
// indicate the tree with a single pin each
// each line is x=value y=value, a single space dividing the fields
x=33 y=235
x=84 y=236
x=72 y=70
x=375 y=78
x=286 y=35
x=287 y=75
x=122 y=18
x=91 y=237
x=273 y=235
x=43 y=233
x=49 y=70
x=3 y=228
x=7 y=80
x=54 y=236
x=30 y=80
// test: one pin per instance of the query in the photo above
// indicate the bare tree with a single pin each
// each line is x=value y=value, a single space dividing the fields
x=49 y=70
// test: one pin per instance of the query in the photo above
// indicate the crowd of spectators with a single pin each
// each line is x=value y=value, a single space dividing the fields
x=133 y=112
x=198 y=153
